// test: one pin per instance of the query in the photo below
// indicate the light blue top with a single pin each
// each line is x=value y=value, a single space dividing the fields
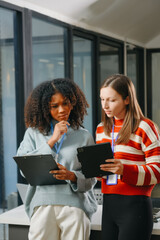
x=78 y=194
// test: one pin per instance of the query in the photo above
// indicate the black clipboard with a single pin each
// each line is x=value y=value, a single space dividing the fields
x=36 y=169
x=92 y=156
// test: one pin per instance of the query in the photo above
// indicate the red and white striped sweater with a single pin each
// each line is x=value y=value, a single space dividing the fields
x=140 y=156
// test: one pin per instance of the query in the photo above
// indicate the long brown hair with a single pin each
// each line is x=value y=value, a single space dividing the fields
x=123 y=86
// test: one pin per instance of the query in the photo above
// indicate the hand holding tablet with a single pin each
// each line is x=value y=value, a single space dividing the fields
x=92 y=156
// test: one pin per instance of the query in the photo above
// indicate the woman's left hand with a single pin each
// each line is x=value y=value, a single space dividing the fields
x=63 y=174
x=112 y=165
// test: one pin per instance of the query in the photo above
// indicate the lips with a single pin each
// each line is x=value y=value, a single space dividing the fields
x=63 y=117
x=107 y=112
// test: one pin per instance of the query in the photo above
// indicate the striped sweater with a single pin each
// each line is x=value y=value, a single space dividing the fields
x=140 y=157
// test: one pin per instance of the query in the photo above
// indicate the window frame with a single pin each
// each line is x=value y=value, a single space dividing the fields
x=149 y=79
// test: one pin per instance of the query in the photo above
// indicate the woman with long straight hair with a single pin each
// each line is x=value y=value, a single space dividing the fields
x=127 y=207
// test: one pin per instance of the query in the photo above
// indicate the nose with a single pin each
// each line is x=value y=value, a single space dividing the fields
x=61 y=108
x=105 y=106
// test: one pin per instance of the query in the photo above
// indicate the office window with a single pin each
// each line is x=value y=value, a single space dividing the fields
x=82 y=70
x=132 y=64
x=155 y=70
x=135 y=71
x=109 y=61
x=8 y=147
x=47 y=51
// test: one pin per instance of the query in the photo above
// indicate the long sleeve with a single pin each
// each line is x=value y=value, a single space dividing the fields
x=34 y=143
x=140 y=157
x=147 y=173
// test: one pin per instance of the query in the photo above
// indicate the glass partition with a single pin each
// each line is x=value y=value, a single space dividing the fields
x=135 y=70
x=155 y=70
x=82 y=69
x=47 y=51
x=8 y=138
x=109 y=61
x=132 y=64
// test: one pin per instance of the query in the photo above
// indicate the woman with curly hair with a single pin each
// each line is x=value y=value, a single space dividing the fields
x=54 y=114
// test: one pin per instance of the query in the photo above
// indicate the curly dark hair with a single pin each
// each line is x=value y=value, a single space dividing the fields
x=37 y=109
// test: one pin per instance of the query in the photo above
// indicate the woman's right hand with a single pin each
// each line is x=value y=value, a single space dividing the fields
x=59 y=129
x=113 y=165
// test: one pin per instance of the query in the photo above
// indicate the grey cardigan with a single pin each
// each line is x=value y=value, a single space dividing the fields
x=78 y=195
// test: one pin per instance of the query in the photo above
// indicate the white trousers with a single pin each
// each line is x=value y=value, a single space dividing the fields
x=59 y=223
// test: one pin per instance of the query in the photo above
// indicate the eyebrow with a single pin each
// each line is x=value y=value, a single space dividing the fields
x=54 y=103
x=108 y=97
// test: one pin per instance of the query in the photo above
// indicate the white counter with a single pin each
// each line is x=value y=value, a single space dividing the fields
x=17 y=216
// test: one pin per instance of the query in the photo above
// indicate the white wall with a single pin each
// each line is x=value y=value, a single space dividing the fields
x=154 y=43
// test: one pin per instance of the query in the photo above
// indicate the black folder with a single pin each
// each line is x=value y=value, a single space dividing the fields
x=36 y=169
x=92 y=156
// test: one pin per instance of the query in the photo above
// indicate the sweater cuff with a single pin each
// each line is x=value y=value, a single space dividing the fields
x=83 y=184
x=77 y=187
x=130 y=174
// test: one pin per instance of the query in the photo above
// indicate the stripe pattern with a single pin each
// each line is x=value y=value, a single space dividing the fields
x=140 y=157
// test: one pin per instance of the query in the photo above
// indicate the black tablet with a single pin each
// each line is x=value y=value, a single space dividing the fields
x=36 y=169
x=92 y=156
